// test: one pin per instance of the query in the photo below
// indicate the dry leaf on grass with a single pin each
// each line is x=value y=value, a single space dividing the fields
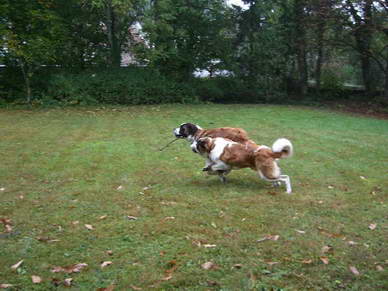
x=237 y=266
x=269 y=237
x=136 y=288
x=75 y=222
x=352 y=243
x=354 y=270
x=209 y=246
x=103 y=217
x=169 y=218
x=7 y=224
x=89 y=226
x=69 y=269
x=372 y=226
x=106 y=263
x=67 y=282
x=109 y=252
x=272 y=263
x=327 y=249
x=379 y=268
x=109 y=288
x=209 y=266
x=325 y=260
x=120 y=188
x=307 y=261
x=4 y=286
x=300 y=231
x=36 y=279
x=130 y=217
x=17 y=265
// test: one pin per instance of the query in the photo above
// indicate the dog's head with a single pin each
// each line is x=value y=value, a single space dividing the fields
x=203 y=146
x=186 y=130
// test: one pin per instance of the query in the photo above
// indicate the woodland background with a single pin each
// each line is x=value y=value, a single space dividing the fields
x=190 y=51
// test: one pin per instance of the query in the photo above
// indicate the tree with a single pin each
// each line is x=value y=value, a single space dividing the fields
x=32 y=35
x=184 y=35
x=117 y=16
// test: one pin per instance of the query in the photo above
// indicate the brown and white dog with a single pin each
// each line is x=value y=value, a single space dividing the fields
x=192 y=133
x=226 y=155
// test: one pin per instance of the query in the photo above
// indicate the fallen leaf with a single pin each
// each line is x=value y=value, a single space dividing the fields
x=307 y=261
x=21 y=196
x=169 y=218
x=120 y=188
x=2 y=189
x=354 y=270
x=107 y=263
x=212 y=283
x=237 y=266
x=209 y=266
x=213 y=224
x=7 y=224
x=352 y=243
x=269 y=237
x=67 y=282
x=209 y=246
x=379 y=268
x=132 y=217
x=75 y=222
x=372 y=226
x=169 y=277
x=17 y=265
x=103 y=217
x=330 y=187
x=136 y=288
x=329 y=234
x=326 y=249
x=109 y=288
x=89 y=226
x=36 y=279
x=362 y=177
x=4 y=286
x=300 y=231
x=272 y=263
x=69 y=269
x=325 y=260
x=109 y=252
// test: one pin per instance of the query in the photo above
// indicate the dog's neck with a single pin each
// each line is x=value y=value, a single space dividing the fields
x=197 y=135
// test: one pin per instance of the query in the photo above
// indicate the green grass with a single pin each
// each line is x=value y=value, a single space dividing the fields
x=68 y=165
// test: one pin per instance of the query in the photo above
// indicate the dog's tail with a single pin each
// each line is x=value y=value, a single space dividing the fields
x=282 y=148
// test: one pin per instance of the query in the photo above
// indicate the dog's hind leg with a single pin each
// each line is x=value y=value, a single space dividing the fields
x=286 y=179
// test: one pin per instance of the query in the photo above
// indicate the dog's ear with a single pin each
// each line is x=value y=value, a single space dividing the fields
x=207 y=144
x=189 y=129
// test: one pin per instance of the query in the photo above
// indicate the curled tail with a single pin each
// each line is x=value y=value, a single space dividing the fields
x=282 y=148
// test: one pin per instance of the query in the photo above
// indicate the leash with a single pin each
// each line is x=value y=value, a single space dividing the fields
x=167 y=145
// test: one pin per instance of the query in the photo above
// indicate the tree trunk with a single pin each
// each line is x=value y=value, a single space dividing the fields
x=27 y=80
x=386 y=82
x=301 y=46
x=115 y=50
x=318 y=65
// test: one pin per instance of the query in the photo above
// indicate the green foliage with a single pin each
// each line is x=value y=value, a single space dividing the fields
x=125 y=86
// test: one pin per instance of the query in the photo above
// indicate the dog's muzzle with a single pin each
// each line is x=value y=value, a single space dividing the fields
x=177 y=134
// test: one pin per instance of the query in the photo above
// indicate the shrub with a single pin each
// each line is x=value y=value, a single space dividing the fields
x=122 y=86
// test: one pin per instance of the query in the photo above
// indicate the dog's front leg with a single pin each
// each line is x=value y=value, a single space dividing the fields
x=208 y=164
x=221 y=169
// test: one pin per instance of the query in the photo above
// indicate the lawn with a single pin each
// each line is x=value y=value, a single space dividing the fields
x=90 y=186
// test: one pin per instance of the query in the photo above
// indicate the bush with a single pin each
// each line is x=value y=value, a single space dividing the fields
x=127 y=86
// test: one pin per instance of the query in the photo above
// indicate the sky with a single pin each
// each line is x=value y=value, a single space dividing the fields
x=237 y=2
